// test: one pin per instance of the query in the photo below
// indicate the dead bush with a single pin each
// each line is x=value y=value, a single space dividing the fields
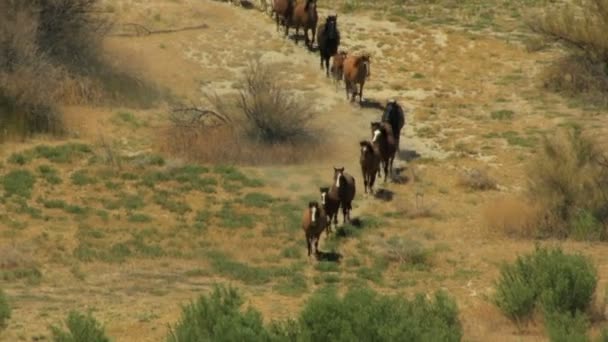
x=581 y=27
x=514 y=217
x=477 y=179
x=569 y=180
x=262 y=124
x=273 y=114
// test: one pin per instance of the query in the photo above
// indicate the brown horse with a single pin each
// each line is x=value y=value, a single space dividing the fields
x=345 y=184
x=370 y=164
x=331 y=204
x=283 y=11
x=382 y=136
x=356 y=71
x=305 y=16
x=337 y=66
x=328 y=40
x=314 y=221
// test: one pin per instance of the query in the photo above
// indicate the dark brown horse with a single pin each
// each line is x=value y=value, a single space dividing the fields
x=345 y=184
x=356 y=71
x=328 y=40
x=382 y=136
x=393 y=114
x=314 y=221
x=283 y=11
x=305 y=16
x=331 y=203
x=370 y=164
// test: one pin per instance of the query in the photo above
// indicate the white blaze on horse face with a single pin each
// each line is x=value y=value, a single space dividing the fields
x=376 y=135
x=338 y=180
x=323 y=197
x=314 y=214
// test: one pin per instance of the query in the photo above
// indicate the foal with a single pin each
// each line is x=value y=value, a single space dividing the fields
x=314 y=221
x=370 y=164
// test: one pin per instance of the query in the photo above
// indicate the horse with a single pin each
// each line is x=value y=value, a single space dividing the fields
x=345 y=184
x=331 y=204
x=382 y=136
x=337 y=66
x=328 y=40
x=393 y=114
x=283 y=11
x=370 y=164
x=305 y=16
x=314 y=221
x=356 y=71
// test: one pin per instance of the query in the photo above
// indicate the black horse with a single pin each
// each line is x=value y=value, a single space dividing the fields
x=328 y=40
x=393 y=114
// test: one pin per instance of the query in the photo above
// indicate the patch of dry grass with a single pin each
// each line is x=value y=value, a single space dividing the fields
x=512 y=216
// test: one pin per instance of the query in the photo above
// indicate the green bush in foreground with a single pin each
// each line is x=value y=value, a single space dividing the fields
x=81 y=328
x=558 y=283
x=361 y=315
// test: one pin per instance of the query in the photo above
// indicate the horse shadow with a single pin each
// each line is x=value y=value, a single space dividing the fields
x=247 y=4
x=408 y=155
x=384 y=195
x=371 y=104
x=329 y=256
x=301 y=37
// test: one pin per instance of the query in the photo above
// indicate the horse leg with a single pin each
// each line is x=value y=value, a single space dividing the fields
x=308 y=245
x=385 y=169
x=317 y=246
x=361 y=93
x=327 y=66
x=372 y=180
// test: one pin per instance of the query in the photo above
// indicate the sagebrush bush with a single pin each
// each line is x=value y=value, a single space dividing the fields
x=549 y=279
x=581 y=26
x=5 y=310
x=569 y=182
x=80 y=328
x=218 y=317
x=361 y=315
x=566 y=327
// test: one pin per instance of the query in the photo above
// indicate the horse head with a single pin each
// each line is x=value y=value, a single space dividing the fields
x=311 y=5
x=313 y=207
x=366 y=60
x=366 y=147
x=331 y=26
x=376 y=128
x=339 y=176
x=324 y=191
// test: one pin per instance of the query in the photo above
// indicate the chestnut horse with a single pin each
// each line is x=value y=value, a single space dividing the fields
x=337 y=67
x=283 y=10
x=356 y=71
x=305 y=16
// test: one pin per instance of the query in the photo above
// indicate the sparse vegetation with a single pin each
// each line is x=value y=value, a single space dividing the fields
x=477 y=179
x=19 y=183
x=80 y=328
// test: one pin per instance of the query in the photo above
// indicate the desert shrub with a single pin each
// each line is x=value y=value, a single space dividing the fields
x=5 y=310
x=569 y=182
x=218 y=317
x=80 y=328
x=361 y=315
x=581 y=27
x=548 y=278
x=364 y=315
x=19 y=183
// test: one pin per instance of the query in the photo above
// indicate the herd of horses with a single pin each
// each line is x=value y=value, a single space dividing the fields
x=376 y=154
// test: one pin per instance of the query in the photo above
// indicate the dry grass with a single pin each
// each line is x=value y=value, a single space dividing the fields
x=477 y=179
x=512 y=216
x=230 y=145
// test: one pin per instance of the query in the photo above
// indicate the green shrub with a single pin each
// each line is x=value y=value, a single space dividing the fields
x=81 y=328
x=558 y=282
x=218 y=317
x=363 y=315
x=565 y=327
x=5 y=310
x=19 y=183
